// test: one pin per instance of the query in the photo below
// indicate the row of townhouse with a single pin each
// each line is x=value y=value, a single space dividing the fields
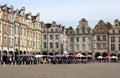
x=103 y=39
x=20 y=32
x=24 y=33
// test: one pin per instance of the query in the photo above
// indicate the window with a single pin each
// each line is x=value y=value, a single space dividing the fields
x=119 y=39
x=56 y=45
x=112 y=46
x=83 y=39
x=9 y=31
x=13 y=30
x=104 y=37
x=5 y=28
x=77 y=32
x=12 y=42
x=51 y=30
x=9 y=42
x=4 y=41
x=98 y=37
x=113 y=31
x=89 y=46
x=83 y=46
x=71 y=47
x=104 y=46
x=51 y=45
x=44 y=30
x=51 y=37
x=83 y=31
x=71 y=39
x=56 y=30
x=77 y=39
x=119 y=46
x=45 y=37
x=112 y=39
x=98 y=46
x=89 y=39
x=119 y=31
x=56 y=37
x=77 y=46
x=44 y=45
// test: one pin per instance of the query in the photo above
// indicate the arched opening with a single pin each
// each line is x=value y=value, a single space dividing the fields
x=113 y=54
x=56 y=53
x=39 y=53
x=84 y=54
x=104 y=54
x=24 y=52
x=51 y=54
x=20 y=52
x=89 y=56
x=44 y=53
x=97 y=54
x=4 y=56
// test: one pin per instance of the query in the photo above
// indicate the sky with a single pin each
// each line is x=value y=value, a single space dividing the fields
x=70 y=12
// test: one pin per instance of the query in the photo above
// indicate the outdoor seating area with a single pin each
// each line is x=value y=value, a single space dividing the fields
x=71 y=58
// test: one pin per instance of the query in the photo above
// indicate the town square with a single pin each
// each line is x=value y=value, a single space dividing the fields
x=59 y=39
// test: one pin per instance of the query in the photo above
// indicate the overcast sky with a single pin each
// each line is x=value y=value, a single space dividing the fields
x=70 y=12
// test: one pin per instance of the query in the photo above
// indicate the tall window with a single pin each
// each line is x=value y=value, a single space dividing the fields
x=77 y=39
x=98 y=37
x=51 y=37
x=112 y=39
x=56 y=30
x=83 y=39
x=83 y=46
x=104 y=37
x=119 y=46
x=12 y=42
x=4 y=28
x=13 y=30
x=104 y=46
x=44 y=45
x=112 y=46
x=119 y=39
x=56 y=45
x=119 y=31
x=9 y=42
x=89 y=39
x=71 y=47
x=56 y=37
x=83 y=31
x=9 y=30
x=113 y=31
x=98 y=46
x=89 y=46
x=77 y=46
x=71 y=39
x=51 y=45
x=4 y=41
x=51 y=30
x=44 y=37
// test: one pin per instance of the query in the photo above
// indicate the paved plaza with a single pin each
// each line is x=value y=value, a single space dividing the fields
x=93 y=70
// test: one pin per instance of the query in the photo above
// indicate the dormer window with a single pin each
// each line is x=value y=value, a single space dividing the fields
x=56 y=30
x=116 y=25
x=44 y=30
x=119 y=31
x=51 y=30
x=83 y=31
x=113 y=31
